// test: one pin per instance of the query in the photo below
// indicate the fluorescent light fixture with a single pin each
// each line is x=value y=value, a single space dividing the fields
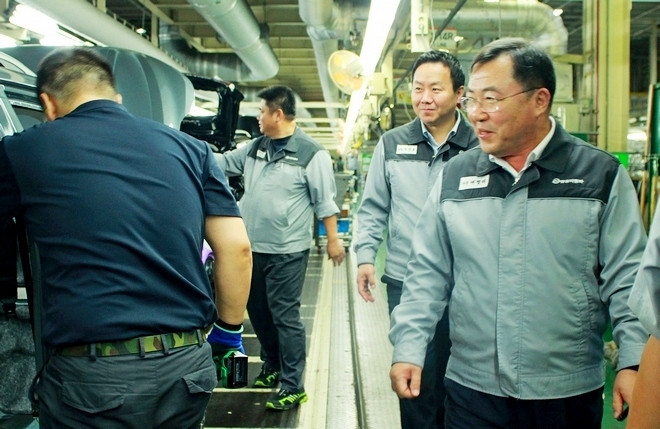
x=381 y=17
x=140 y=31
x=557 y=12
x=60 y=38
x=28 y=18
x=6 y=41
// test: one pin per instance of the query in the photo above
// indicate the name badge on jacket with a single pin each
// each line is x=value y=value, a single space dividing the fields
x=473 y=182
x=406 y=149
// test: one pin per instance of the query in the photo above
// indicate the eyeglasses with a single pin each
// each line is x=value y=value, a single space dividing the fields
x=488 y=104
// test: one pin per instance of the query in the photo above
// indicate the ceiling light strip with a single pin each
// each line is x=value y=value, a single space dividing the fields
x=381 y=17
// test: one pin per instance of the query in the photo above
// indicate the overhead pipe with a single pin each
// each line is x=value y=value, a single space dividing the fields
x=319 y=17
x=254 y=60
x=227 y=67
x=522 y=18
x=235 y=22
x=84 y=18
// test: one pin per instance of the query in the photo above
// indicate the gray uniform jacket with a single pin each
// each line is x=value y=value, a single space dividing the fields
x=402 y=173
x=645 y=296
x=282 y=193
x=532 y=268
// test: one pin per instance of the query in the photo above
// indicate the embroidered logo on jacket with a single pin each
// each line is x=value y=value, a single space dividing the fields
x=473 y=182
x=558 y=181
x=406 y=149
x=292 y=158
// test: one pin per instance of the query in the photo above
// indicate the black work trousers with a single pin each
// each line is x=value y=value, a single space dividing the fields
x=470 y=409
x=274 y=311
x=427 y=411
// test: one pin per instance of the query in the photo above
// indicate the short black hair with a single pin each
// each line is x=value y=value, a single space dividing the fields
x=62 y=72
x=532 y=66
x=450 y=61
x=280 y=97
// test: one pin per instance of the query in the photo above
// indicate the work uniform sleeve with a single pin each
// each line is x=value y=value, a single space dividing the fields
x=233 y=162
x=645 y=296
x=373 y=214
x=621 y=245
x=9 y=192
x=426 y=286
x=321 y=184
x=219 y=200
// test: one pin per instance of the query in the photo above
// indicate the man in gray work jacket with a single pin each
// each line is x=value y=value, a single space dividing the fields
x=405 y=165
x=288 y=176
x=533 y=241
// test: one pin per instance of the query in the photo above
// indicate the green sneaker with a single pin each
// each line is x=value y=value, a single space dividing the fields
x=267 y=378
x=285 y=400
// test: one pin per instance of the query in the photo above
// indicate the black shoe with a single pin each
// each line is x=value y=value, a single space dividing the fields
x=285 y=400
x=267 y=378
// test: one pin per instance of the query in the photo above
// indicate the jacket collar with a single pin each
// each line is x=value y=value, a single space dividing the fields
x=554 y=158
x=460 y=139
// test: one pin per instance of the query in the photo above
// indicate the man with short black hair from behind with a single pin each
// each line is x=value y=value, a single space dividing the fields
x=288 y=179
x=118 y=207
x=532 y=242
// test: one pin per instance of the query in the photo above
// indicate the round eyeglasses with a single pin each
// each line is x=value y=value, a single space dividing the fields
x=487 y=104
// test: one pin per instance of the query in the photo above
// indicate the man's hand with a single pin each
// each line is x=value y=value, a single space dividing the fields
x=406 y=379
x=366 y=280
x=223 y=340
x=336 y=251
x=623 y=390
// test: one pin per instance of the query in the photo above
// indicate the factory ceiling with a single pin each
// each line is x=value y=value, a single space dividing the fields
x=257 y=43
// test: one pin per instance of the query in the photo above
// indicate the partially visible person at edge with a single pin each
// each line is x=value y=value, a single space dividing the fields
x=645 y=302
x=405 y=165
x=118 y=207
x=531 y=241
x=288 y=177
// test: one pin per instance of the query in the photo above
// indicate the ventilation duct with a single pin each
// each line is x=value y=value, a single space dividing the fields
x=253 y=60
x=318 y=16
x=83 y=18
x=484 y=22
x=234 y=21
x=227 y=67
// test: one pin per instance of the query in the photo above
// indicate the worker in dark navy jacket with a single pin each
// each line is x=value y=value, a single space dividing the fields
x=404 y=168
x=118 y=207
x=532 y=242
x=288 y=179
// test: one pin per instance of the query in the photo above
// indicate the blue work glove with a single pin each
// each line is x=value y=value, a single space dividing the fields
x=223 y=340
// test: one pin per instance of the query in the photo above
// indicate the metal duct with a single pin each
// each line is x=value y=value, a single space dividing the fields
x=318 y=16
x=82 y=17
x=522 y=18
x=227 y=67
x=237 y=25
x=253 y=60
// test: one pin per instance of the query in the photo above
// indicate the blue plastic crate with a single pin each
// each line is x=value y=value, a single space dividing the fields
x=343 y=226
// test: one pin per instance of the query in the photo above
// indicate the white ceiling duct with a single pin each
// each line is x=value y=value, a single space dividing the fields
x=234 y=21
x=253 y=59
x=81 y=17
x=484 y=22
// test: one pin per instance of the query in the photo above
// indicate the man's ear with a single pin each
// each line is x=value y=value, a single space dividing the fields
x=542 y=100
x=50 y=106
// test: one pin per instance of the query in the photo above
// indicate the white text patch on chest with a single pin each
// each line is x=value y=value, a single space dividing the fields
x=473 y=182
x=406 y=149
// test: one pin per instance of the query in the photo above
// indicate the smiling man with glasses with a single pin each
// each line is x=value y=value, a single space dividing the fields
x=532 y=242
